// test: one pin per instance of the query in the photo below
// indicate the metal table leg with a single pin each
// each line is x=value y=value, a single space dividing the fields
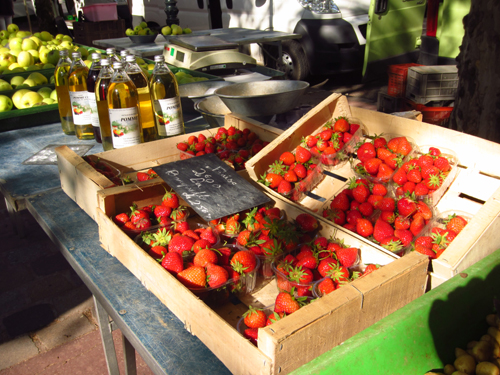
x=15 y=219
x=129 y=357
x=107 y=338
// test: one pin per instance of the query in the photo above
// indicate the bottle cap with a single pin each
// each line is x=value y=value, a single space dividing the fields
x=76 y=55
x=96 y=56
x=110 y=51
x=117 y=65
x=159 y=58
x=104 y=62
x=130 y=58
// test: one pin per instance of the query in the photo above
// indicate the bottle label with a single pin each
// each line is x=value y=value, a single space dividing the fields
x=94 y=115
x=168 y=114
x=125 y=127
x=80 y=107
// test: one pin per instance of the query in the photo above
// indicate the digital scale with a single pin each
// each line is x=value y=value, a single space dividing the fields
x=205 y=53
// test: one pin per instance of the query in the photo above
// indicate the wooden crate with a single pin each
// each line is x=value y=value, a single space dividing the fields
x=81 y=182
x=476 y=188
x=291 y=342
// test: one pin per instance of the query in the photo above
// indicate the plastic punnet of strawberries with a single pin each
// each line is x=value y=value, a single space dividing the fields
x=104 y=168
x=313 y=261
x=334 y=141
x=254 y=318
x=161 y=215
x=379 y=158
x=440 y=232
x=425 y=174
x=293 y=174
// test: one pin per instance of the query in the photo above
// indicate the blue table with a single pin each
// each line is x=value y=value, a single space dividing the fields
x=147 y=325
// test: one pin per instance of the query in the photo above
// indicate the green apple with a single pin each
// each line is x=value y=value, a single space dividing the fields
x=4 y=85
x=59 y=36
x=12 y=28
x=29 y=82
x=38 y=35
x=151 y=66
x=167 y=30
x=4 y=50
x=23 y=86
x=67 y=37
x=18 y=95
x=4 y=34
x=23 y=34
x=30 y=99
x=53 y=79
x=53 y=95
x=48 y=66
x=28 y=44
x=66 y=44
x=36 y=40
x=35 y=54
x=129 y=32
x=6 y=59
x=186 y=30
x=42 y=55
x=33 y=67
x=15 y=66
x=52 y=57
x=16 y=44
x=38 y=78
x=45 y=91
x=15 y=52
x=4 y=42
x=83 y=51
x=25 y=59
x=46 y=36
x=48 y=101
x=143 y=32
x=143 y=24
x=55 y=42
x=5 y=103
x=16 y=81
x=137 y=28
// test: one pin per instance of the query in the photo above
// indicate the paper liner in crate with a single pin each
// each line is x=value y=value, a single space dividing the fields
x=433 y=179
x=292 y=140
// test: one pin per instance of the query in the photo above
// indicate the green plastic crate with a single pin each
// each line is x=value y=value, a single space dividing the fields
x=423 y=335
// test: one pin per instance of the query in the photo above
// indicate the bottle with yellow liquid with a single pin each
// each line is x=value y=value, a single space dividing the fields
x=166 y=100
x=61 y=74
x=94 y=70
x=78 y=94
x=101 y=97
x=123 y=107
x=112 y=56
x=140 y=80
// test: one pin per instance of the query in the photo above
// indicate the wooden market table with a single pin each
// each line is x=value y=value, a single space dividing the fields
x=240 y=36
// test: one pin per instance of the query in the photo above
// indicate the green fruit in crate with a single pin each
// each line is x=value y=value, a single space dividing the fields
x=53 y=95
x=28 y=44
x=4 y=85
x=45 y=92
x=18 y=95
x=39 y=78
x=129 y=32
x=12 y=28
x=16 y=44
x=25 y=59
x=49 y=101
x=4 y=34
x=30 y=99
x=46 y=36
x=5 y=103
x=84 y=52
x=16 y=81
x=52 y=57
x=48 y=66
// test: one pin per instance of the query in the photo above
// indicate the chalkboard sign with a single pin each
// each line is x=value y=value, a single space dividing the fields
x=211 y=187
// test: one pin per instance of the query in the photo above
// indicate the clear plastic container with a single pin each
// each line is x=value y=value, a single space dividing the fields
x=356 y=162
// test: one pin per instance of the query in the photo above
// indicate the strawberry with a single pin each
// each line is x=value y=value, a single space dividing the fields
x=379 y=189
x=162 y=210
x=300 y=170
x=157 y=251
x=387 y=204
x=372 y=165
x=455 y=223
x=402 y=222
x=201 y=244
x=216 y=275
x=370 y=268
x=425 y=241
x=434 y=151
x=366 y=209
x=181 y=226
x=142 y=176
x=309 y=261
x=442 y=164
x=385 y=172
x=348 y=257
x=404 y=147
x=306 y=222
x=291 y=176
x=251 y=334
x=352 y=216
x=300 y=275
x=335 y=215
x=311 y=141
x=414 y=175
x=273 y=180
x=244 y=261
x=287 y=158
x=205 y=256
x=424 y=210
x=172 y=262
x=341 y=125
x=209 y=235
x=170 y=199
x=193 y=277
x=406 y=206
x=366 y=151
x=360 y=193
x=400 y=177
x=392 y=243
x=340 y=202
x=285 y=188
x=339 y=274
x=364 y=227
x=326 y=286
x=426 y=251
x=425 y=161
x=393 y=144
x=254 y=318
x=421 y=189
x=388 y=216
x=286 y=303
x=382 y=230
x=121 y=219
x=404 y=235
x=302 y=155
x=417 y=224
x=180 y=244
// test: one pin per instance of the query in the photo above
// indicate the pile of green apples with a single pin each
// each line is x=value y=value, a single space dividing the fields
x=175 y=30
x=141 y=29
x=23 y=51
x=26 y=98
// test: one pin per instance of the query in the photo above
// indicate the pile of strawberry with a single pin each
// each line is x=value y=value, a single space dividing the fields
x=148 y=175
x=165 y=214
x=255 y=318
x=327 y=146
x=293 y=174
x=440 y=236
x=381 y=157
x=320 y=258
x=104 y=169
x=422 y=174
x=358 y=200
x=198 y=145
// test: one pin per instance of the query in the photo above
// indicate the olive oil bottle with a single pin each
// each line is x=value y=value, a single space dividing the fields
x=101 y=97
x=140 y=80
x=123 y=106
x=61 y=74
x=166 y=100
x=77 y=85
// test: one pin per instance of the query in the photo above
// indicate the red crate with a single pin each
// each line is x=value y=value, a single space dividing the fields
x=432 y=115
x=397 y=79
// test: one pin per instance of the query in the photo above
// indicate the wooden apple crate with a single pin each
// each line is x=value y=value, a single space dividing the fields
x=475 y=190
x=291 y=342
x=81 y=182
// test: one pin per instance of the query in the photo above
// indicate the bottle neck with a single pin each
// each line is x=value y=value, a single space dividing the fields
x=161 y=68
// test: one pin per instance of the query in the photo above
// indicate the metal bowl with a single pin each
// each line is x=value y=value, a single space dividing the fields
x=213 y=110
x=141 y=39
x=190 y=93
x=262 y=98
